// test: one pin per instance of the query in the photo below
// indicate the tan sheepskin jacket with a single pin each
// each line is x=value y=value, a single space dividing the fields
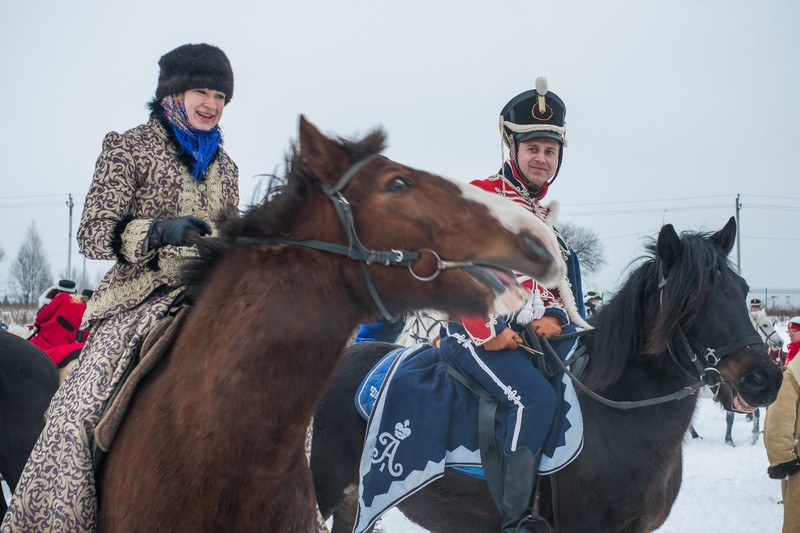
x=782 y=423
x=141 y=175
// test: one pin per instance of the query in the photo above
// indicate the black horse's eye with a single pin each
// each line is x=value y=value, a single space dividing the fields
x=398 y=183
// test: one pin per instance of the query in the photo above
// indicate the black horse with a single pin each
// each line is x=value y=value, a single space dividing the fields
x=683 y=302
x=28 y=380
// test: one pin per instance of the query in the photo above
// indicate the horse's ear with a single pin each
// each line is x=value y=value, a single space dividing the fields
x=725 y=237
x=669 y=246
x=323 y=157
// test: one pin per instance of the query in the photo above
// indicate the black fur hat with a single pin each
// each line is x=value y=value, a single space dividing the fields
x=194 y=66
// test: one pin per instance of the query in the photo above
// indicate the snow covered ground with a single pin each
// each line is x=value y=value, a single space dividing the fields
x=724 y=488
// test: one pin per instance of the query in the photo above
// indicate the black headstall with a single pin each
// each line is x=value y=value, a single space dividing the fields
x=355 y=249
x=705 y=359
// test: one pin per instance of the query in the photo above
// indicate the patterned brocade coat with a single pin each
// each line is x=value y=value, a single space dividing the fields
x=141 y=175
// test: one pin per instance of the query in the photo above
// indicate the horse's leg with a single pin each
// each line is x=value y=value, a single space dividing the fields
x=729 y=421
x=756 y=425
x=345 y=512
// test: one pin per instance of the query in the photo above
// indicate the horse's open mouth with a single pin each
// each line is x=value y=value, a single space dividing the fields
x=509 y=296
x=738 y=404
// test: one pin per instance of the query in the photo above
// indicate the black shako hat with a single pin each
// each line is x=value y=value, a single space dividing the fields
x=534 y=113
x=194 y=66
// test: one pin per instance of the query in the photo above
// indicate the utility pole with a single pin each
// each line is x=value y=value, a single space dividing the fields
x=738 y=237
x=70 y=204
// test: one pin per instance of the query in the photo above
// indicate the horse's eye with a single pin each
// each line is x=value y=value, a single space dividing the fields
x=398 y=183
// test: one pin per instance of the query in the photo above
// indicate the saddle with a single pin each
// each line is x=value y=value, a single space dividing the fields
x=367 y=394
x=435 y=420
x=154 y=346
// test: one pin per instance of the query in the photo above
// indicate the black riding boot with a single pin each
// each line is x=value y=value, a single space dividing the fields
x=519 y=482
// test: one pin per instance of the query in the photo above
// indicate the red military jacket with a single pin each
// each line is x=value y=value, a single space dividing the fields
x=483 y=329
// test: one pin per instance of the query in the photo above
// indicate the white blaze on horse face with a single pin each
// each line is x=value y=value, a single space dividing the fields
x=515 y=219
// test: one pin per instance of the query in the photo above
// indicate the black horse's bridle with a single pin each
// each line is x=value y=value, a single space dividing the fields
x=708 y=355
x=355 y=249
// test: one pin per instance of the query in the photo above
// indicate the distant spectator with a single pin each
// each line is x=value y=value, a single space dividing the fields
x=64 y=285
x=793 y=329
x=781 y=434
x=593 y=301
x=58 y=322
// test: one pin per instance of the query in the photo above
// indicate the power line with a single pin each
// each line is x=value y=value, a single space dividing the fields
x=35 y=204
x=687 y=198
x=643 y=210
x=657 y=200
x=771 y=238
x=33 y=196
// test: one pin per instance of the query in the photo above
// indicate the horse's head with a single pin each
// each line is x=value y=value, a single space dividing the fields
x=766 y=329
x=704 y=315
x=456 y=244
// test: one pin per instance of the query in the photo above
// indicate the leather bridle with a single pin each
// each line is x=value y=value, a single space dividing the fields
x=705 y=363
x=705 y=359
x=355 y=249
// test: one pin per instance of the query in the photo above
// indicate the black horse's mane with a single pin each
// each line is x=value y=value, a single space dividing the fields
x=640 y=321
x=274 y=214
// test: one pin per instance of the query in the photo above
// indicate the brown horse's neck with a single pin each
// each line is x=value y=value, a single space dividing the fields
x=273 y=336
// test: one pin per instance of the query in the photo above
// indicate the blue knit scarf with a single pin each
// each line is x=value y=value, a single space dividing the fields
x=201 y=145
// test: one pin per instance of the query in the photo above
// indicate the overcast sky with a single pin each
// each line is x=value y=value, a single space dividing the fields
x=673 y=107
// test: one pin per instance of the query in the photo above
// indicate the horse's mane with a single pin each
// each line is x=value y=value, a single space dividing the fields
x=639 y=321
x=274 y=214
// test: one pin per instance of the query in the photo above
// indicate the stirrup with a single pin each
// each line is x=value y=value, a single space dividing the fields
x=536 y=521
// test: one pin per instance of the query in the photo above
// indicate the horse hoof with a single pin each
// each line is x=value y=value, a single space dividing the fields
x=730 y=443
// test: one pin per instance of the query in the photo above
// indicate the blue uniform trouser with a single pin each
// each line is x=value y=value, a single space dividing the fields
x=513 y=378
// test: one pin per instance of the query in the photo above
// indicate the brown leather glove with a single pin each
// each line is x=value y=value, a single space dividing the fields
x=506 y=340
x=547 y=326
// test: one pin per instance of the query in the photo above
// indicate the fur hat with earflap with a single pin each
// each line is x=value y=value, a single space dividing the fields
x=193 y=66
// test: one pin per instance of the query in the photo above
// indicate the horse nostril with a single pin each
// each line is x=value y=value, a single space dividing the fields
x=754 y=381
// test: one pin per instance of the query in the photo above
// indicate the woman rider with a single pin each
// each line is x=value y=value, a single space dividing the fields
x=155 y=188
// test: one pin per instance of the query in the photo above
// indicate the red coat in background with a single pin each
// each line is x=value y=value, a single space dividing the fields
x=58 y=322
x=793 y=348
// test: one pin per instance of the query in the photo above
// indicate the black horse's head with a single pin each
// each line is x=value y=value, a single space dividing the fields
x=703 y=319
x=684 y=312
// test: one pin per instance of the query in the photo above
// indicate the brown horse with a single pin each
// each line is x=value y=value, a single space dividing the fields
x=214 y=439
x=680 y=320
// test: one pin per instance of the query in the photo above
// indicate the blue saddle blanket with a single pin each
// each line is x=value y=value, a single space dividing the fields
x=421 y=421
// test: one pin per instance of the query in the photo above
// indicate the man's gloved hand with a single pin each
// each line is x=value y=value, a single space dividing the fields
x=506 y=340
x=547 y=326
x=177 y=231
x=784 y=470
